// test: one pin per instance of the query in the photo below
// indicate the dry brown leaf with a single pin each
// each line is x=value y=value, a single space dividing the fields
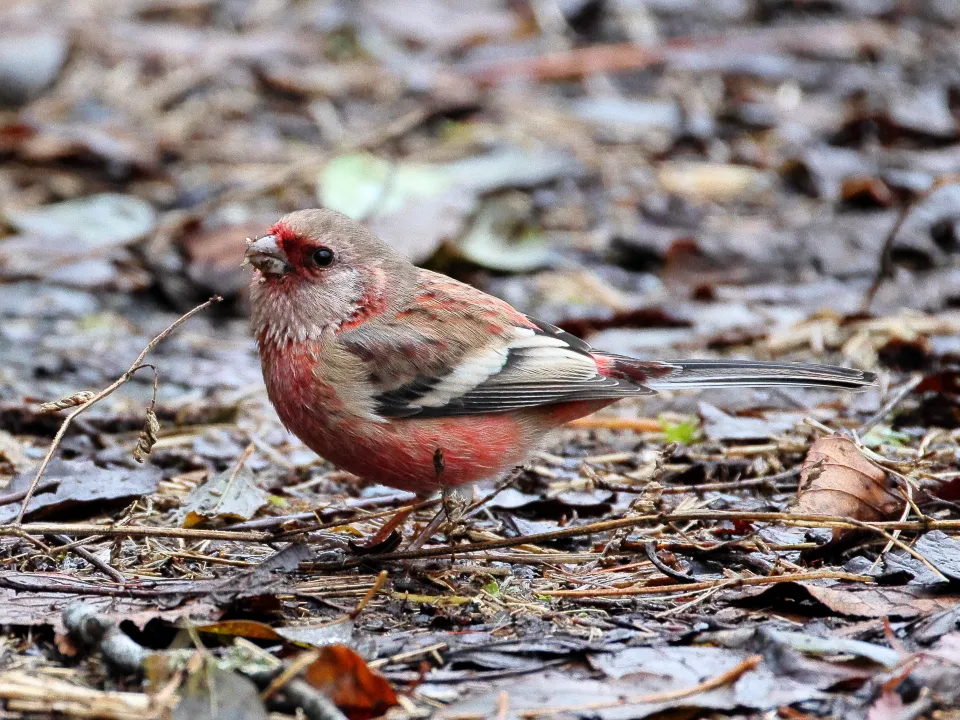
x=343 y=676
x=836 y=479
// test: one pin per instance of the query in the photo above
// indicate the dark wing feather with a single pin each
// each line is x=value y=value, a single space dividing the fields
x=533 y=367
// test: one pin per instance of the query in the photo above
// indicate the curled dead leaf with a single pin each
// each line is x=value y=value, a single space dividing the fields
x=836 y=479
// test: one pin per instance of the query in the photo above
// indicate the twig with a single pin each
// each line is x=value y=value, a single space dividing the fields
x=885 y=268
x=638 y=425
x=137 y=364
x=299 y=664
x=650 y=548
x=725 y=678
x=21 y=494
x=87 y=530
x=501 y=486
x=95 y=630
x=708 y=584
x=355 y=505
x=889 y=406
x=67 y=544
x=810 y=520
x=770 y=480
x=374 y=589
x=617 y=57
x=340 y=523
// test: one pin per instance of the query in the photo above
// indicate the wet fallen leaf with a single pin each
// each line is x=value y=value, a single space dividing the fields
x=37 y=608
x=343 y=676
x=637 y=672
x=863 y=601
x=82 y=487
x=836 y=479
x=939 y=668
x=718 y=425
x=98 y=221
x=937 y=548
x=268 y=578
x=327 y=633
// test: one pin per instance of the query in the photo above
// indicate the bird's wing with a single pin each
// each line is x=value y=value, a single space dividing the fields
x=463 y=352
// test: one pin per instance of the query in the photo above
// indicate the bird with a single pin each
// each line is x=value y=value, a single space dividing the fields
x=409 y=378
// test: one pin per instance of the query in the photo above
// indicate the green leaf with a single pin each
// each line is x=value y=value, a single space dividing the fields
x=685 y=432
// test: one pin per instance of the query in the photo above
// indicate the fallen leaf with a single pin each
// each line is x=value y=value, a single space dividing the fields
x=443 y=25
x=716 y=182
x=865 y=601
x=82 y=486
x=230 y=495
x=267 y=578
x=718 y=425
x=836 y=479
x=26 y=608
x=939 y=668
x=97 y=221
x=492 y=241
x=938 y=548
x=30 y=59
x=327 y=633
x=211 y=694
x=663 y=670
x=343 y=676
x=417 y=206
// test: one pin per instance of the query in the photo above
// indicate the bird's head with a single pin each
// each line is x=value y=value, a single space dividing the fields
x=318 y=270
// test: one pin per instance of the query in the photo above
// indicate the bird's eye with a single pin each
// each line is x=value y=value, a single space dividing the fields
x=323 y=257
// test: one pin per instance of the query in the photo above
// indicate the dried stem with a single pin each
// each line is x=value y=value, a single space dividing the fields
x=137 y=364
x=686 y=588
x=885 y=268
x=720 y=680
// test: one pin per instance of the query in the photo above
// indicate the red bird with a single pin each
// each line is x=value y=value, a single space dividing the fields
x=411 y=379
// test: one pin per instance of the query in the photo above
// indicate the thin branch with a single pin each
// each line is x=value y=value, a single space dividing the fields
x=650 y=548
x=890 y=405
x=725 y=678
x=66 y=544
x=708 y=584
x=100 y=396
x=822 y=521
x=89 y=530
x=885 y=267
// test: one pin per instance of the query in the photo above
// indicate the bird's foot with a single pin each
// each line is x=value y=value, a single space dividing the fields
x=455 y=502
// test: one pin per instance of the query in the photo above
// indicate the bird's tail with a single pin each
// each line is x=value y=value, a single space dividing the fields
x=747 y=373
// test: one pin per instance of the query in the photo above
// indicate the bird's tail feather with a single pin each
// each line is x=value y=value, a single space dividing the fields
x=746 y=373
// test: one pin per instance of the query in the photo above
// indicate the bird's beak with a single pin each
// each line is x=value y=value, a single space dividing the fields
x=266 y=255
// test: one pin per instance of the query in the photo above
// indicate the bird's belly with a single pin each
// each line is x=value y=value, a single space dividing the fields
x=423 y=455
x=416 y=454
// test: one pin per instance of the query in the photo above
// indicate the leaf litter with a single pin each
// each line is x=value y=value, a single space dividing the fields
x=667 y=180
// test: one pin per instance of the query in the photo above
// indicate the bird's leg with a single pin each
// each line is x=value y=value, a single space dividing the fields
x=455 y=501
